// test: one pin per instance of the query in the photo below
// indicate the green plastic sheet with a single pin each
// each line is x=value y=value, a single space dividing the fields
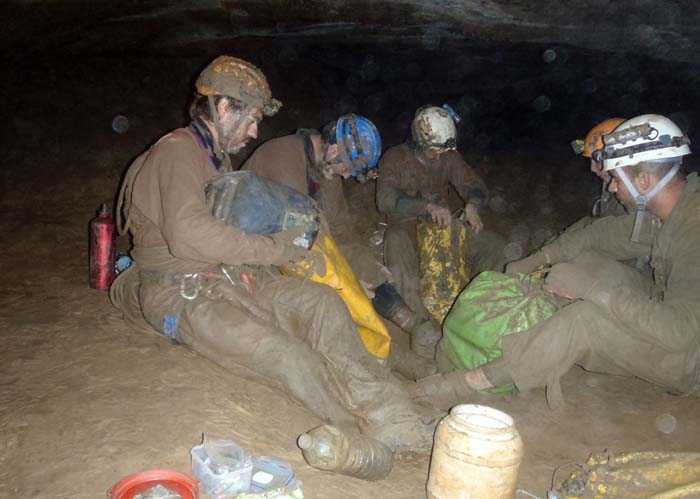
x=492 y=306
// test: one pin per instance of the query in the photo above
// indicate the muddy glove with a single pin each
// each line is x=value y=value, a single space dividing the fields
x=473 y=218
x=570 y=281
x=288 y=251
x=527 y=265
x=439 y=214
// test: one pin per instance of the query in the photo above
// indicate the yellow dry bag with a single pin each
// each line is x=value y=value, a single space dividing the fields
x=339 y=276
x=444 y=266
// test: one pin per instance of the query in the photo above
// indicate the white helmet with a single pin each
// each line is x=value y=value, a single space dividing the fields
x=649 y=137
x=434 y=128
x=644 y=138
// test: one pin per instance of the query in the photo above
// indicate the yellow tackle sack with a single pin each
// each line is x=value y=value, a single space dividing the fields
x=634 y=475
x=444 y=264
x=339 y=276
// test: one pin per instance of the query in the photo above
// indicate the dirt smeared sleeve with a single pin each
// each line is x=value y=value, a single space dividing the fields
x=470 y=186
x=390 y=197
x=610 y=235
x=672 y=321
x=190 y=231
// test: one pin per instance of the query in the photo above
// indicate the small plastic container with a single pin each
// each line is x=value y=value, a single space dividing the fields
x=222 y=467
x=270 y=474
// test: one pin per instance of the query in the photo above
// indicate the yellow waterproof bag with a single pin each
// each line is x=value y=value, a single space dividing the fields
x=444 y=265
x=634 y=475
x=339 y=276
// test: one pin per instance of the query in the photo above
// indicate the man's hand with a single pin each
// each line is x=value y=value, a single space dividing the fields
x=439 y=214
x=473 y=218
x=288 y=251
x=527 y=265
x=569 y=281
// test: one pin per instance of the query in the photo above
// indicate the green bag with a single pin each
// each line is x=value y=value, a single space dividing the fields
x=492 y=306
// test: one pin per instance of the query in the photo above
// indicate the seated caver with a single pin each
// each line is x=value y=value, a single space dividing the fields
x=607 y=204
x=620 y=321
x=217 y=289
x=414 y=178
x=314 y=163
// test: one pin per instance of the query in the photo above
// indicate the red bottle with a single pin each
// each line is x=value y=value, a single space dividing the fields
x=102 y=251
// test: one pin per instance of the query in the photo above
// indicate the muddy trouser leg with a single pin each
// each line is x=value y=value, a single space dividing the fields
x=124 y=295
x=584 y=334
x=401 y=258
x=295 y=335
x=315 y=313
x=224 y=325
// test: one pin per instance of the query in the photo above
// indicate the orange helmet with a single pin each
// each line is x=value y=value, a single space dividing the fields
x=239 y=79
x=594 y=139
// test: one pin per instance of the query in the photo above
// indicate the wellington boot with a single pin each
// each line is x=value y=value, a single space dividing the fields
x=409 y=364
x=424 y=339
x=414 y=433
x=442 y=391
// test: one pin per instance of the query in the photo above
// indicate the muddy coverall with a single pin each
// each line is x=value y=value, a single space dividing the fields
x=289 y=160
x=628 y=323
x=404 y=189
x=296 y=334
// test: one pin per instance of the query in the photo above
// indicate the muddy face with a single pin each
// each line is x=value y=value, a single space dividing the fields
x=239 y=128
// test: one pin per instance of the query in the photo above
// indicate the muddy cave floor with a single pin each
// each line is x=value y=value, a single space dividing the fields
x=86 y=401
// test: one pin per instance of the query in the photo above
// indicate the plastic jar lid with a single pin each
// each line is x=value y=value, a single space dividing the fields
x=181 y=483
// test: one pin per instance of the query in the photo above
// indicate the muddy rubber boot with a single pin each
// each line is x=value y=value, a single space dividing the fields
x=411 y=365
x=389 y=304
x=424 y=335
x=424 y=339
x=412 y=432
x=442 y=391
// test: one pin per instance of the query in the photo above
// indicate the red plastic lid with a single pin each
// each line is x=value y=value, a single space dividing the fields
x=182 y=483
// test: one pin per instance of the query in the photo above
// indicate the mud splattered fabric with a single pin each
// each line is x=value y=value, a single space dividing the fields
x=628 y=324
x=404 y=189
x=444 y=266
x=292 y=333
x=494 y=305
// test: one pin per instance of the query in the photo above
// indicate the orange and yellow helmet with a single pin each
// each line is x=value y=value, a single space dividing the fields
x=594 y=139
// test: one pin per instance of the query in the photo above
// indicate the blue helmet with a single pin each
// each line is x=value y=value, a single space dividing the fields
x=359 y=143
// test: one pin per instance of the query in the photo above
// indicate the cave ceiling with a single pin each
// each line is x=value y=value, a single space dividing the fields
x=659 y=29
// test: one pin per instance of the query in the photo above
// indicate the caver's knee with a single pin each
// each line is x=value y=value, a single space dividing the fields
x=609 y=271
x=399 y=236
x=321 y=296
x=575 y=311
x=593 y=258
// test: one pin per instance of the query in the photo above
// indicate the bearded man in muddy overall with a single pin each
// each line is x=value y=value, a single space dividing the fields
x=294 y=334
x=619 y=321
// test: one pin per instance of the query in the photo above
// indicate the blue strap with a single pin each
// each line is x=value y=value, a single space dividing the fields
x=170 y=325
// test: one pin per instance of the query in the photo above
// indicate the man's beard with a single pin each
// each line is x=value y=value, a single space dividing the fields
x=236 y=148
x=232 y=142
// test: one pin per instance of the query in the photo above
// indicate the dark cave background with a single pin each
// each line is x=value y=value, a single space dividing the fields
x=526 y=77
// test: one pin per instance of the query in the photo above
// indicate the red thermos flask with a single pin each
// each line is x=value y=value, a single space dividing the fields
x=102 y=251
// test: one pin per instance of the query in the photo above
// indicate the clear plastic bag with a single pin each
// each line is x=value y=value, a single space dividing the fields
x=222 y=467
x=293 y=491
x=158 y=492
